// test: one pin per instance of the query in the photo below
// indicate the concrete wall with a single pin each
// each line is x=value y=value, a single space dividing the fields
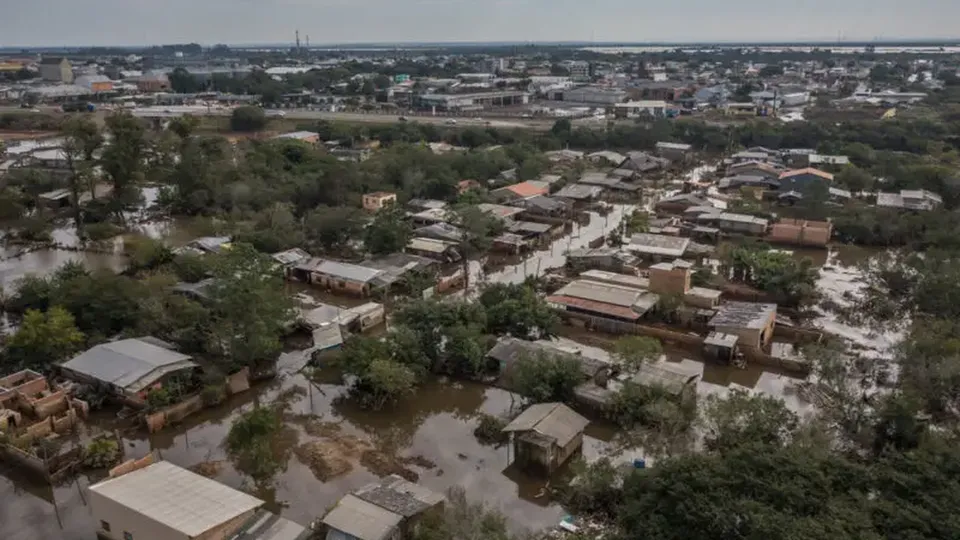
x=801 y=233
x=676 y=281
x=226 y=530
x=338 y=285
x=120 y=519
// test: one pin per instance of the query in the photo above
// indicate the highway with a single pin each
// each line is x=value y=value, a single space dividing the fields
x=537 y=124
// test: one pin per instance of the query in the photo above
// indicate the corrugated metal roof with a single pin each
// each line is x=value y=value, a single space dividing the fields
x=182 y=500
x=743 y=315
x=553 y=420
x=347 y=271
x=621 y=312
x=131 y=364
x=360 y=519
x=606 y=293
x=658 y=244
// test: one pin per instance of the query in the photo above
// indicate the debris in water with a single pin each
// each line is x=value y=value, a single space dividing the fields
x=208 y=468
x=381 y=464
x=418 y=460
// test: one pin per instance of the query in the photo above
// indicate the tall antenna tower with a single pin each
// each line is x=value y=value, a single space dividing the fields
x=308 y=41
x=297 y=34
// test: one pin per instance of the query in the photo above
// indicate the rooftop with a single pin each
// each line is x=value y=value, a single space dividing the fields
x=808 y=170
x=658 y=244
x=128 y=363
x=181 y=500
x=579 y=191
x=743 y=315
x=351 y=272
x=361 y=519
x=399 y=496
x=555 y=421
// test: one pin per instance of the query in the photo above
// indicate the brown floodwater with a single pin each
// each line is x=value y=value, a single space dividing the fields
x=429 y=434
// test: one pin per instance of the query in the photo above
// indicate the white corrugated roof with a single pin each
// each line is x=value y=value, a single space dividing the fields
x=360 y=519
x=180 y=499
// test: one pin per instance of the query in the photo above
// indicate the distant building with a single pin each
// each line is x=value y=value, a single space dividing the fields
x=803 y=180
x=643 y=162
x=676 y=152
x=377 y=200
x=521 y=191
x=546 y=435
x=56 y=69
x=801 y=232
x=594 y=94
x=162 y=501
x=153 y=82
x=95 y=83
x=910 y=199
x=304 y=136
x=658 y=246
x=384 y=510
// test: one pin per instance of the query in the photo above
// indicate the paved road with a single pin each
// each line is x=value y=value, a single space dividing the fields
x=303 y=114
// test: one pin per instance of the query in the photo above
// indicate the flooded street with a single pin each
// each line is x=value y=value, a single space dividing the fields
x=428 y=436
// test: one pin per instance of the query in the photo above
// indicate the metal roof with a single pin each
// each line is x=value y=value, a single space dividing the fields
x=361 y=519
x=614 y=278
x=603 y=308
x=743 y=315
x=399 y=496
x=179 y=499
x=661 y=375
x=431 y=245
x=616 y=295
x=131 y=364
x=579 y=191
x=658 y=244
x=266 y=525
x=553 y=420
x=347 y=271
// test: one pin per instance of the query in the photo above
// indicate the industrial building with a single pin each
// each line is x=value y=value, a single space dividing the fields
x=471 y=102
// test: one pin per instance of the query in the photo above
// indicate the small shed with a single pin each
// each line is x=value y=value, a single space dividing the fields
x=546 y=435
x=720 y=347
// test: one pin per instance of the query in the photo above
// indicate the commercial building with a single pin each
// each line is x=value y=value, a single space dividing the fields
x=129 y=368
x=384 y=510
x=56 y=69
x=595 y=95
x=546 y=435
x=657 y=109
x=752 y=323
x=162 y=501
x=471 y=102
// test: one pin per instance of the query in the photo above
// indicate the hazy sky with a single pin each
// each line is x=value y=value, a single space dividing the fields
x=136 y=22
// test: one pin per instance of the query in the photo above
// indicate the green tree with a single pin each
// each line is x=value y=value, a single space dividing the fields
x=82 y=140
x=182 y=82
x=462 y=520
x=545 y=377
x=634 y=351
x=248 y=118
x=252 y=443
x=44 y=339
x=389 y=232
x=741 y=419
x=855 y=179
x=517 y=310
x=331 y=229
x=122 y=160
x=250 y=305
x=385 y=382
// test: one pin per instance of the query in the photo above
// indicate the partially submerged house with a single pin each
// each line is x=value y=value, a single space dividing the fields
x=602 y=258
x=205 y=245
x=161 y=501
x=580 y=192
x=600 y=302
x=129 y=368
x=439 y=250
x=546 y=435
x=657 y=246
x=752 y=323
x=338 y=276
x=800 y=232
x=27 y=398
x=384 y=510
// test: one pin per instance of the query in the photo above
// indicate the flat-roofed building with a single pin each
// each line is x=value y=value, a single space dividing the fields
x=752 y=322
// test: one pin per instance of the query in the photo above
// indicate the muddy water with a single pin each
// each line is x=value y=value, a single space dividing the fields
x=435 y=426
x=45 y=261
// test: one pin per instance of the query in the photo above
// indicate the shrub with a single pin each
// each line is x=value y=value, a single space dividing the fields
x=101 y=453
x=490 y=430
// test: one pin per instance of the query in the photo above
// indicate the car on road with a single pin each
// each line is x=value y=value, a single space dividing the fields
x=450 y=122
x=526 y=115
x=402 y=119
x=276 y=114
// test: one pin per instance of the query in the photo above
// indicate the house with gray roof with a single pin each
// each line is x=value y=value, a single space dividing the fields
x=128 y=367
x=546 y=435
x=384 y=510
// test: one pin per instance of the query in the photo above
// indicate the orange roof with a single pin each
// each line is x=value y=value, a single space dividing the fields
x=467 y=183
x=526 y=189
x=808 y=170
